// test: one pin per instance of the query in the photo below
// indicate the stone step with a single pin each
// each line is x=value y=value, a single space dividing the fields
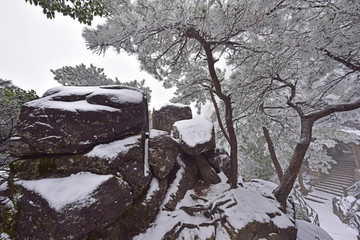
x=339 y=176
x=337 y=179
x=347 y=170
x=315 y=196
x=329 y=185
x=329 y=188
x=329 y=191
x=314 y=199
x=336 y=183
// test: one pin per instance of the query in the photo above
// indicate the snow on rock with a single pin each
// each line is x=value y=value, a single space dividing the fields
x=157 y=133
x=307 y=231
x=75 y=119
x=111 y=150
x=235 y=208
x=196 y=135
x=194 y=131
x=62 y=191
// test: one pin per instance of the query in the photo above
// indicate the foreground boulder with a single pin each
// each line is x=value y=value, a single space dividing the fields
x=166 y=116
x=73 y=119
x=73 y=207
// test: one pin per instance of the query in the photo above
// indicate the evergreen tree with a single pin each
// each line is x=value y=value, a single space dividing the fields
x=11 y=100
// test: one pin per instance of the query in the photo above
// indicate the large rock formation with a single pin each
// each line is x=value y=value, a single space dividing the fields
x=73 y=119
x=86 y=169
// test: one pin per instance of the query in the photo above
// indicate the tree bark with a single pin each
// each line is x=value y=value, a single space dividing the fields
x=307 y=122
x=290 y=175
x=193 y=33
x=273 y=156
x=303 y=189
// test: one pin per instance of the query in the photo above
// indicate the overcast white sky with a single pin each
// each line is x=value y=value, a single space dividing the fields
x=31 y=45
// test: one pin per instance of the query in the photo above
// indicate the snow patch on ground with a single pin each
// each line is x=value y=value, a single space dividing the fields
x=245 y=205
x=59 y=192
x=329 y=221
x=308 y=231
x=112 y=150
x=194 y=131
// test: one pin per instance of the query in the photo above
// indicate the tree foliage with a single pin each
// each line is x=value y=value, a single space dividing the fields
x=11 y=100
x=82 y=10
x=286 y=65
x=80 y=75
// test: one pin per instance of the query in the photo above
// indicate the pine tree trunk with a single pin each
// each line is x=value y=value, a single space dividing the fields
x=291 y=173
x=233 y=143
x=273 y=156
x=303 y=189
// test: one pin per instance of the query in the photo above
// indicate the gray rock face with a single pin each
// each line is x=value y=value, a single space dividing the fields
x=61 y=121
x=184 y=180
x=219 y=159
x=165 y=117
x=75 y=220
x=99 y=131
x=163 y=151
x=142 y=212
x=206 y=171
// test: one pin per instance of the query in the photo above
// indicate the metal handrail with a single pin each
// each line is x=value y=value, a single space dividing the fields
x=310 y=212
x=353 y=190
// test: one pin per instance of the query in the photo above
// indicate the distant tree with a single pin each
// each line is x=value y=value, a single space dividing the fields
x=11 y=100
x=80 y=75
x=82 y=10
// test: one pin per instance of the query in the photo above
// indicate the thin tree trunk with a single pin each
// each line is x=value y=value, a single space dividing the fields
x=193 y=33
x=304 y=190
x=273 y=156
x=291 y=173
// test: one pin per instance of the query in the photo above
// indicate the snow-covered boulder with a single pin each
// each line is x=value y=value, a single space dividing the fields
x=166 y=116
x=196 y=135
x=163 y=151
x=74 y=119
x=80 y=206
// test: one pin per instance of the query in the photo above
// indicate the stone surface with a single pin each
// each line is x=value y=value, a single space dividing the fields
x=74 y=119
x=206 y=171
x=219 y=159
x=163 y=151
x=35 y=219
x=165 y=117
x=195 y=135
x=185 y=178
x=143 y=211
x=128 y=161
